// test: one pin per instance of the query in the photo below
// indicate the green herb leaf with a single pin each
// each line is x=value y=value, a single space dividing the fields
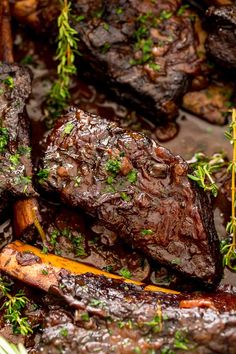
x=145 y=232
x=113 y=166
x=85 y=317
x=182 y=10
x=13 y=307
x=125 y=196
x=67 y=48
x=9 y=81
x=95 y=303
x=181 y=341
x=124 y=272
x=154 y=66
x=165 y=15
x=132 y=176
x=43 y=175
x=68 y=128
x=15 y=159
x=4 y=137
x=64 y=332
x=104 y=49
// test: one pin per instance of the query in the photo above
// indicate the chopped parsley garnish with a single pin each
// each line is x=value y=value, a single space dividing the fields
x=106 y=26
x=124 y=272
x=44 y=272
x=9 y=81
x=145 y=232
x=68 y=128
x=119 y=11
x=53 y=237
x=24 y=150
x=98 y=13
x=113 y=166
x=85 y=317
x=77 y=181
x=132 y=176
x=155 y=323
x=3 y=139
x=24 y=180
x=182 y=9
x=108 y=268
x=95 y=303
x=44 y=250
x=125 y=196
x=78 y=245
x=79 y=18
x=27 y=60
x=42 y=175
x=154 y=66
x=15 y=159
x=104 y=49
x=165 y=15
x=64 y=332
x=176 y=261
x=180 y=341
x=110 y=179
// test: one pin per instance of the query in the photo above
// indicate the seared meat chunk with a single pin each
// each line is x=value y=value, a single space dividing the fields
x=135 y=187
x=210 y=96
x=221 y=42
x=144 y=53
x=15 y=162
x=112 y=317
x=211 y=103
x=219 y=2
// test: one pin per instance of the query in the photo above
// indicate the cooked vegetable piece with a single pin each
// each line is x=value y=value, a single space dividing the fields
x=28 y=264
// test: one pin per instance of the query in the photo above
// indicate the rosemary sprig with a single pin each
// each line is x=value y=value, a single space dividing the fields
x=10 y=348
x=13 y=307
x=228 y=249
x=204 y=167
x=67 y=47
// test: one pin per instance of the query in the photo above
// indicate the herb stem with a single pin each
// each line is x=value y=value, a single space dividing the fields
x=67 y=47
x=229 y=249
x=233 y=245
x=39 y=227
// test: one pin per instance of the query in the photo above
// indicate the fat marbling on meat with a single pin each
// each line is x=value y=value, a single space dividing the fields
x=136 y=187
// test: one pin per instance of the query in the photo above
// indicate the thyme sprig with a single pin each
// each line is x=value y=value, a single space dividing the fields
x=228 y=249
x=10 y=348
x=13 y=307
x=67 y=47
x=204 y=167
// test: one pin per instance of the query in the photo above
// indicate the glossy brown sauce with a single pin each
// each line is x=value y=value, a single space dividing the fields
x=189 y=135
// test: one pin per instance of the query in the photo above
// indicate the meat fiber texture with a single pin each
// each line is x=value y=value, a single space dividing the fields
x=221 y=42
x=144 y=52
x=134 y=187
x=15 y=161
x=113 y=317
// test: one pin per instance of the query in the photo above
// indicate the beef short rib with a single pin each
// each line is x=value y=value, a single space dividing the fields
x=15 y=161
x=112 y=317
x=136 y=187
x=143 y=52
x=221 y=42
